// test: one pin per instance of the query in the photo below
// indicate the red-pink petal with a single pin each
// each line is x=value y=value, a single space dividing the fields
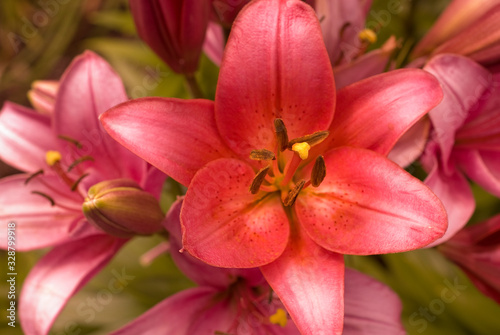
x=483 y=167
x=177 y=136
x=376 y=112
x=225 y=225
x=370 y=307
x=25 y=137
x=310 y=282
x=59 y=275
x=412 y=144
x=38 y=223
x=88 y=88
x=275 y=66
x=369 y=205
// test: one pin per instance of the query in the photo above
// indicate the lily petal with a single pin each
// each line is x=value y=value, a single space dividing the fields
x=214 y=43
x=412 y=144
x=370 y=307
x=369 y=205
x=225 y=225
x=58 y=275
x=25 y=137
x=88 y=88
x=177 y=136
x=263 y=74
x=310 y=282
x=481 y=166
x=374 y=113
x=38 y=223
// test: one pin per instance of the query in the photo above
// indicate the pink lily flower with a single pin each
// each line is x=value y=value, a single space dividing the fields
x=465 y=137
x=74 y=153
x=275 y=83
x=476 y=249
x=239 y=301
x=467 y=27
x=174 y=29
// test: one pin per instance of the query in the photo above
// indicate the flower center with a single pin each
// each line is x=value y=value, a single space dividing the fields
x=279 y=175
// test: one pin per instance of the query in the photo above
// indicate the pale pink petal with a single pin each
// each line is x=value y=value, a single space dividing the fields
x=177 y=136
x=483 y=167
x=25 y=137
x=198 y=271
x=59 y=275
x=88 y=88
x=412 y=144
x=463 y=82
x=225 y=225
x=369 y=205
x=279 y=70
x=214 y=43
x=368 y=65
x=38 y=223
x=370 y=307
x=173 y=315
x=376 y=112
x=455 y=193
x=310 y=282
x=153 y=181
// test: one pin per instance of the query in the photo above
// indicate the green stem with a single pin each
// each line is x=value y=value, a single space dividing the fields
x=193 y=87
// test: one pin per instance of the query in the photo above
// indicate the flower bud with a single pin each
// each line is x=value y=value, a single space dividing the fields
x=227 y=10
x=174 y=29
x=121 y=208
x=43 y=95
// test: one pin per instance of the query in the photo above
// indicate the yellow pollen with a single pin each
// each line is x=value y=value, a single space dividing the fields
x=279 y=318
x=367 y=35
x=302 y=149
x=52 y=157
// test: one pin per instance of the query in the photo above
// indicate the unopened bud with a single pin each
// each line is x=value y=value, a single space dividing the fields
x=121 y=208
x=43 y=95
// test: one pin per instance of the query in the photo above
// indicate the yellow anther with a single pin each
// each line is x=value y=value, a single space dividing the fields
x=279 y=318
x=367 y=35
x=302 y=149
x=52 y=157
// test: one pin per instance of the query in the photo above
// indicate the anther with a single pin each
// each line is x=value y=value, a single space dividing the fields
x=281 y=134
x=292 y=195
x=71 y=140
x=368 y=36
x=262 y=155
x=77 y=182
x=318 y=172
x=39 y=172
x=52 y=157
x=258 y=179
x=78 y=161
x=312 y=139
x=52 y=202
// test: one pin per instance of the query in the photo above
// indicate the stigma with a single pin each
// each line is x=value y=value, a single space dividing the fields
x=52 y=157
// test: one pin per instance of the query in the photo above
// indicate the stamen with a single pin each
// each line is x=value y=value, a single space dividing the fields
x=281 y=134
x=258 y=179
x=52 y=157
x=71 y=140
x=262 y=155
x=292 y=195
x=39 y=172
x=302 y=149
x=312 y=139
x=52 y=202
x=318 y=172
x=279 y=318
x=78 y=161
x=75 y=184
x=368 y=36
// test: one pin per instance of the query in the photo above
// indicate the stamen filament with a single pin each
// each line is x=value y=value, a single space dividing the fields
x=71 y=140
x=75 y=184
x=266 y=188
x=39 y=172
x=290 y=169
x=78 y=161
x=60 y=172
x=49 y=198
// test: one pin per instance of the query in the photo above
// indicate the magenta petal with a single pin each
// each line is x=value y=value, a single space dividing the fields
x=369 y=205
x=310 y=282
x=88 y=88
x=173 y=315
x=225 y=225
x=59 y=275
x=412 y=144
x=370 y=307
x=275 y=47
x=483 y=167
x=38 y=223
x=370 y=112
x=177 y=136
x=25 y=137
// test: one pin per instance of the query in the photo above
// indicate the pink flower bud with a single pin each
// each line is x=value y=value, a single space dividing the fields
x=43 y=95
x=121 y=208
